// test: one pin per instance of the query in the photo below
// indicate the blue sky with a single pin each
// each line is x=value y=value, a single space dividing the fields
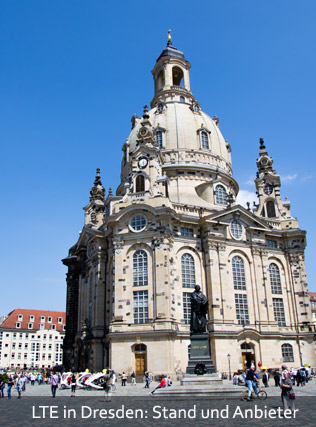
x=74 y=72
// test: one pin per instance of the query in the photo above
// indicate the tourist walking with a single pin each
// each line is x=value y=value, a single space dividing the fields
x=53 y=381
x=73 y=385
x=107 y=385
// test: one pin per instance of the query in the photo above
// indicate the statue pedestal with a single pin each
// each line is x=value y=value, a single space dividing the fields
x=200 y=353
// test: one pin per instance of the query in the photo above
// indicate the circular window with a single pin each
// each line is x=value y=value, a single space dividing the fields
x=143 y=132
x=236 y=229
x=264 y=161
x=138 y=223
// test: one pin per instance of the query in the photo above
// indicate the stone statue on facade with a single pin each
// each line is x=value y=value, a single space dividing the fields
x=199 y=308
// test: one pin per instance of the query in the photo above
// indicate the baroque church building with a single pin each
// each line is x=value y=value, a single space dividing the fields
x=174 y=223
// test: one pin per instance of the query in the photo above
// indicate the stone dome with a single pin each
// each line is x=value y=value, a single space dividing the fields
x=182 y=127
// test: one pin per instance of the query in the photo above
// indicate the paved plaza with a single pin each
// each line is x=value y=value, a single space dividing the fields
x=133 y=405
x=139 y=390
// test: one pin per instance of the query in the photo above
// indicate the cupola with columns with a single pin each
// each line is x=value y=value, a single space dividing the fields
x=191 y=153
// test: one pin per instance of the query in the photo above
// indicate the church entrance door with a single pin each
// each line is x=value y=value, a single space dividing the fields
x=247 y=355
x=140 y=362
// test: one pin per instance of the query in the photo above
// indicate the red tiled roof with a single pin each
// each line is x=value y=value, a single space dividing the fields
x=10 y=322
x=312 y=295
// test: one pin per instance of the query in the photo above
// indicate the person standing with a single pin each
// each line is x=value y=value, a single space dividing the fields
x=287 y=394
x=73 y=385
x=23 y=379
x=265 y=378
x=53 y=380
x=19 y=385
x=2 y=385
x=10 y=385
x=147 y=380
x=133 y=376
x=276 y=377
x=124 y=379
x=32 y=379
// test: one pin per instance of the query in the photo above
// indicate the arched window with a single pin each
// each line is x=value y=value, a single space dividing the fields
x=140 y=268
x=275 y=279
x=140 y=348
x=182 y=99
x=177 y=76
x=160 y=107
x=204 y=140
x=270 y=209
x=188 y=271
x=220 y=195
x=140 y=183
x=287 y=353
x=239 y=277
x=160 y=81
x=159 y=139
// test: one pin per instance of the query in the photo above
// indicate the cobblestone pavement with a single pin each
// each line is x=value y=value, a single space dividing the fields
x=139 y=390
x=148 y=411
x=132 y=405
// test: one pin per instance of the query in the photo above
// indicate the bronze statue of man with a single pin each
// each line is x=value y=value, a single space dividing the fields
x=199 y=308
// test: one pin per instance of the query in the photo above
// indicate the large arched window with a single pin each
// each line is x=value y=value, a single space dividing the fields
x=140 y=268
x=275 y=279
x=239 y=278
x=287 y=353
x=188 y=271
x=220 y=195
x=140 y=183
x=204 y=140
x=270 y=209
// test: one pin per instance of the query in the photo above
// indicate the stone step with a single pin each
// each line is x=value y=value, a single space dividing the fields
x=200 y=390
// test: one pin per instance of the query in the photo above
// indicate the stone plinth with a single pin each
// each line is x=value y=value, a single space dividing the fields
x=200 y=353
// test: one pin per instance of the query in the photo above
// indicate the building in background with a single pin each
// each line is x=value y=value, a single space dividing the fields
x=174 y=223
x=32 y=339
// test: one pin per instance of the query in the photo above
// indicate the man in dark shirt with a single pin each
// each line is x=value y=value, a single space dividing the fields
x=251 y=379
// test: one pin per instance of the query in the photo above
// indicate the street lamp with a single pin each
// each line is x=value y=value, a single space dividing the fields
x=228 y=357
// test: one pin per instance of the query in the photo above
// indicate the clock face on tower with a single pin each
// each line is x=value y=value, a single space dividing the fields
x=142 y=162
x=268 y=189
